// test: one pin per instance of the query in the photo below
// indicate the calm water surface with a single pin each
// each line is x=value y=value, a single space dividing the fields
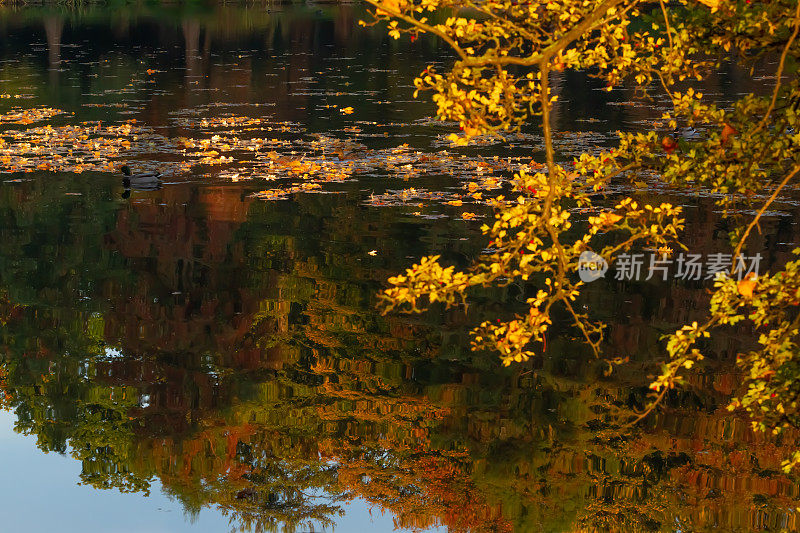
x=208 y=356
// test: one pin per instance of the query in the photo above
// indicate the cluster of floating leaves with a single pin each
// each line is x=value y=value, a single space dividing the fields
x=8 y=96
x=410 y=196
x=240 y=147
x=277 y=194
x=417 y=198
x=227 y=122
x=405 y=162
x=118 y=105
x=234 y=147
x=341 y=160
x=29 y=116
x=88 y=146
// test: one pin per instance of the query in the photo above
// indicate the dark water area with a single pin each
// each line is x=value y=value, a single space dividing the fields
x=208 y=355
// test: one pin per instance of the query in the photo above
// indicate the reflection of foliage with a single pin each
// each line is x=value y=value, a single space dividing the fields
x=492 y=453
x=261 y=486
x=102 y=437
x=88 y=418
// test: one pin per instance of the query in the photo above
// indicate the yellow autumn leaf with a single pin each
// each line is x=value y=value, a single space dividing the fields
x=665 y=250
x=393 y=5
x=746 y=285
x=605 y=219
x=713 y=4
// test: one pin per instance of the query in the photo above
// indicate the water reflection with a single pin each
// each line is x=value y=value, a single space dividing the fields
x=230 y=348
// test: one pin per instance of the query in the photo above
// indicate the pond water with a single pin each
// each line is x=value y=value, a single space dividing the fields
x=208 y=355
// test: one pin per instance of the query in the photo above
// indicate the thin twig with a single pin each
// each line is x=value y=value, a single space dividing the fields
x=647 y=411
x=779 y=74
x=666 y=23
x=761 y=211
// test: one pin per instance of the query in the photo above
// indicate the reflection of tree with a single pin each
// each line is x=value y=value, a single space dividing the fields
x=269 y=387
x=258 y=483
x=201 y=32
x=53 y=27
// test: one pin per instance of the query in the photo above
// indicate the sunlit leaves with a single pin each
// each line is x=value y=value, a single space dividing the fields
x=505 y=51
x=68 y=148
x=522 y=246
x=29 y=116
